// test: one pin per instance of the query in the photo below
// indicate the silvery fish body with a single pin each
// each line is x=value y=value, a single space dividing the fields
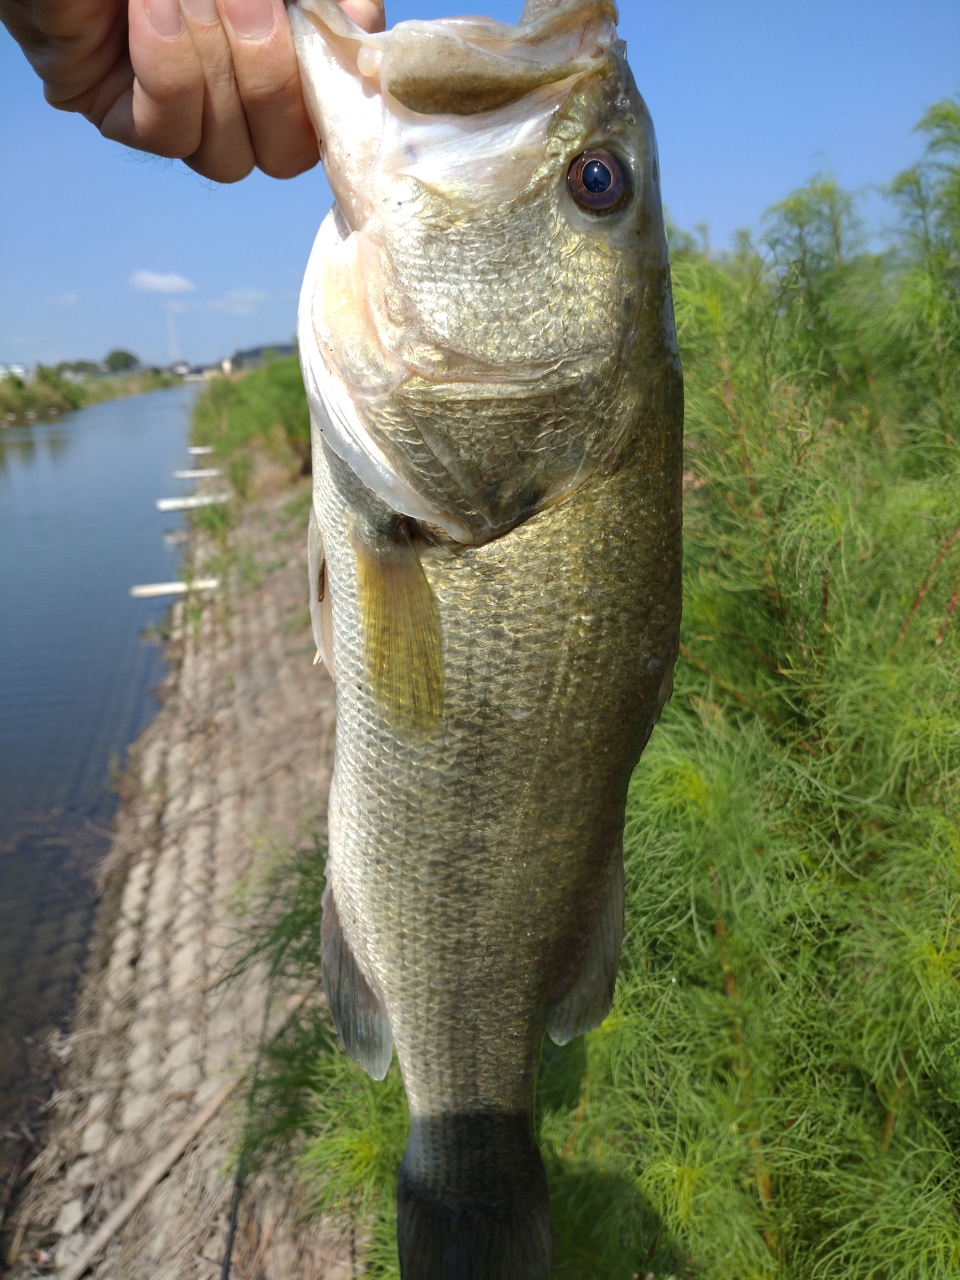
x=486 y=332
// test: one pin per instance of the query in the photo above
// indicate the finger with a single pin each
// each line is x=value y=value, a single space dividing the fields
x=163 y=110
x=268 y=78
x=225 y=153
x=367 y=14
x=71 y=47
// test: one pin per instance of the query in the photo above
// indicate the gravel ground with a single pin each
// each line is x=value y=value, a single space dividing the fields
x=236 y=763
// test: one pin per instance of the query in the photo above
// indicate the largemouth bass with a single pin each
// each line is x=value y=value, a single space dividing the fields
x=487 y=339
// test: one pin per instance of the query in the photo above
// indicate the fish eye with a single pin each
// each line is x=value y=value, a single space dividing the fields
x=598 y=181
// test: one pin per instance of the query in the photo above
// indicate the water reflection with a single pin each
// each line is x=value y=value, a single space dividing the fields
x=23 y=445
x=42 y=935
x=78 y=527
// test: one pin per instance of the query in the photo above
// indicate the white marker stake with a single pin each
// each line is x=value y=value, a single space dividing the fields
x=190 y=504
x=151 y=589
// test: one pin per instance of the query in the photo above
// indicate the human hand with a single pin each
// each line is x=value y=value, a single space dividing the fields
x=212 y=82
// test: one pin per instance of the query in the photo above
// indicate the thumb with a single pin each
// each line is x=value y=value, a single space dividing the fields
x=367 y=14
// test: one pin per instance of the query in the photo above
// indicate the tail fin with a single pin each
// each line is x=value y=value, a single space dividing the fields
x=472 y=1201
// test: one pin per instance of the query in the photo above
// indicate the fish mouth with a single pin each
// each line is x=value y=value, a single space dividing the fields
x=361 y=88
x=536 y=382
x=462 y=66
x=468 y=66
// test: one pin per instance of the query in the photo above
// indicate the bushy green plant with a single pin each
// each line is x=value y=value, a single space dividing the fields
x=925 y=315
x=49 y=393
x=776 y=1093
x=121 y=361
x=264 y=410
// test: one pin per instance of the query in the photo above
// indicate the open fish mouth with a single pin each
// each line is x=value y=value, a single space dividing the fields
x=438 y=100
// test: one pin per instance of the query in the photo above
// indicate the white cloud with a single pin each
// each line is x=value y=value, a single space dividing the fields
x=65 y=300
x=240 y=302
x=161 y=282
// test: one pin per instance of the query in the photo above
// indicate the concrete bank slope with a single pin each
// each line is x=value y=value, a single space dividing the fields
x=235 y=765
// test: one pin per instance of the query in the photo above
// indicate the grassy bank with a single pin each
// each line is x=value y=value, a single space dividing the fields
x=50 y=394
x=258 y=425
x=777 y=1091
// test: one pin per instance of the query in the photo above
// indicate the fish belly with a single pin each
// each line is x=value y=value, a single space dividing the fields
x=475 y=872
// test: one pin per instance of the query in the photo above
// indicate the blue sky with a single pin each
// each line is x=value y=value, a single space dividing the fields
x=750 y=97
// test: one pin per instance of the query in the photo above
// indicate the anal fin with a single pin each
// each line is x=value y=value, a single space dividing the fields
x=588 y=1000
x=358 y=1015
x=401 y=633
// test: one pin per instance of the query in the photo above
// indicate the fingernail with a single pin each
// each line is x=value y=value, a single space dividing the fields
x=165 y=18
x=202 y=10
x=250 y=19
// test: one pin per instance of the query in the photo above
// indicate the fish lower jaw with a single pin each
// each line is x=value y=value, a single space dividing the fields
x=534 y=385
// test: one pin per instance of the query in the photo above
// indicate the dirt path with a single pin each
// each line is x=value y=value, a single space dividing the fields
x=236 y=762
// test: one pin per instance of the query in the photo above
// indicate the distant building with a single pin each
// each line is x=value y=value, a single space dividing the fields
x=208 y=371
x=259 y=355
x=231 y=364
x=14 y=371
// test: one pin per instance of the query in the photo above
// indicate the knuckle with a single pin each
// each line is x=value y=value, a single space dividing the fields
x=176 y=96
x=174 y=140
x=260 y=94
x=288 y=166
x=168 y=149
x=225 y=171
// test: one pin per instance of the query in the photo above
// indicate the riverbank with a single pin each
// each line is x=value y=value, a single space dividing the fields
x=50 y=395
x=236 y=761
x=78 y=526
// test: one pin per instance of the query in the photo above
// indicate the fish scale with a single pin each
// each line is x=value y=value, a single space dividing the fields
x=499 y=595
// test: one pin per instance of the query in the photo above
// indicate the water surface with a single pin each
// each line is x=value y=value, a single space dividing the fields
x=78 y=527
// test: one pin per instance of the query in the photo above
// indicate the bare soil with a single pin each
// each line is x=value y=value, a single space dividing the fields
x=235 y=766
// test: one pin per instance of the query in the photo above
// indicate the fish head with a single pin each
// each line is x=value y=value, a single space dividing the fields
x=486 y=302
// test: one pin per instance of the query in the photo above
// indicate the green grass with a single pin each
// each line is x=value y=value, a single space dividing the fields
x=50 y=394
x=258 y=418
x=264 y=412
x=776 y=1093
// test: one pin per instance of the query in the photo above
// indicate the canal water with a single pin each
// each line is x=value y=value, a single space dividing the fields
x=78 y=527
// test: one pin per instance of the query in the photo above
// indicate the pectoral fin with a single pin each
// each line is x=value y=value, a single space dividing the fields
x=401 y=633
x=588 y=1000
x=358 y=1015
